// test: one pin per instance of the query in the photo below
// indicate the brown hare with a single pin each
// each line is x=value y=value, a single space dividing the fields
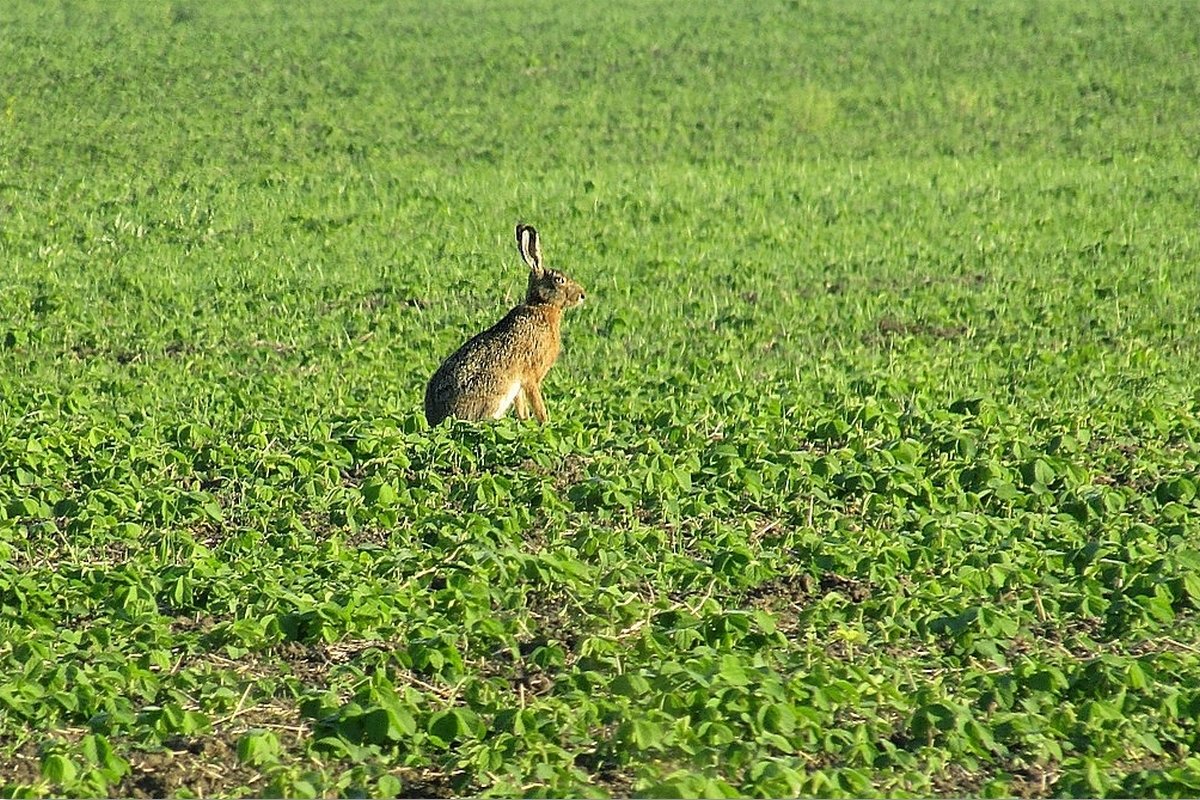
x=505 y=365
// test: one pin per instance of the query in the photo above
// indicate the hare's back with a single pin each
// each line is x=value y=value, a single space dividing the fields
x=513 y=342
x=489 y=357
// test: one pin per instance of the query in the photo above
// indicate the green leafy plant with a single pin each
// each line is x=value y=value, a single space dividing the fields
x=874 y=455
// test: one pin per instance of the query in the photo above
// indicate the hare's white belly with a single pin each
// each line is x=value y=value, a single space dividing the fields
x=507 y=400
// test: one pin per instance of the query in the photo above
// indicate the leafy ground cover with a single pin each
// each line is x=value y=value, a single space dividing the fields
x=873 y=459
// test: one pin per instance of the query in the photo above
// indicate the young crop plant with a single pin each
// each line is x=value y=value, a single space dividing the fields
x=871 y=471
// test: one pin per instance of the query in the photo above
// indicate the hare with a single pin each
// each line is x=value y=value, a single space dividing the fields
x=505 y=365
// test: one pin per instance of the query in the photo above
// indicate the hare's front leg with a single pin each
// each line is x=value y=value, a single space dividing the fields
x=522 y=404
x=534 y=392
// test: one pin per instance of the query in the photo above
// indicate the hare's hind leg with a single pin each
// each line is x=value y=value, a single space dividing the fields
x=511 y=395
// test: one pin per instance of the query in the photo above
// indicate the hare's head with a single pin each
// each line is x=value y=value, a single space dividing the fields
x=546 y=286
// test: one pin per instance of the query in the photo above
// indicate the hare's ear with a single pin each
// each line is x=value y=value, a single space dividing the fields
x=530 y=246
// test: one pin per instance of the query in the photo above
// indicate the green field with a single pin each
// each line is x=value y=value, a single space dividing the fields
x=873 y=455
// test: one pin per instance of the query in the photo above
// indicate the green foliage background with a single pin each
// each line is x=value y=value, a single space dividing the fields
x=873 y=458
